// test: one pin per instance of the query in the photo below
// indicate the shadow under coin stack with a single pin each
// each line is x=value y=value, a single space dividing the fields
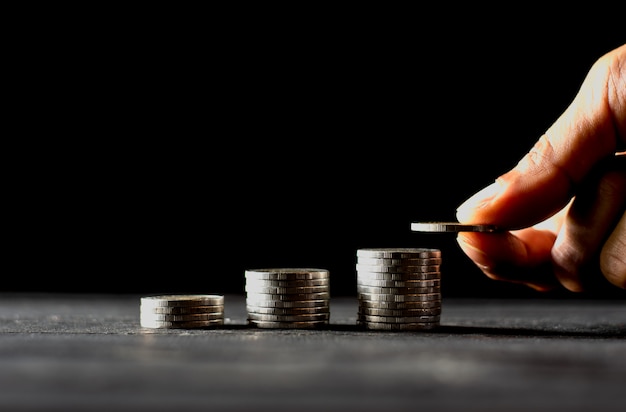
x=182 y=311
x=398 y=288
x=288 y=298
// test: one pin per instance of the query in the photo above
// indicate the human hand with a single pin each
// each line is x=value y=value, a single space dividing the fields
x=565 y=200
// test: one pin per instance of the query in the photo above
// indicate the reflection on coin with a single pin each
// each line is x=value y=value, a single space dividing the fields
x=398 y=253
x=363 y=274
x=288 y=297
x=398 y=283
x=444 y=227
x=398 y=326
x=287 y=311
x=288 y=318
x=288 y=325
x=400 y=312
x=399 y=319
x=380 y=304
x=397 y=269
x=182 y=325
x=283 y=290
x=182 y=300
x=271 y=303
x=181 y=310
x=398 y=291
x=399 y=262
x=420 y=297
x=287 y=273
x=180 y=318
x=251 y=281
x=286 y=276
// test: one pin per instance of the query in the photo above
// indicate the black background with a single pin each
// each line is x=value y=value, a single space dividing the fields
x=162 y=151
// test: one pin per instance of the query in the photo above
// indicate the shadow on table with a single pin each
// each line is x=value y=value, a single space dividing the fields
x=601 y=332
x=604 y=332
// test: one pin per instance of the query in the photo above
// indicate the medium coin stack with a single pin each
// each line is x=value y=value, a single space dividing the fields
x=288 y=298
x=398 y=288
x=182 y=311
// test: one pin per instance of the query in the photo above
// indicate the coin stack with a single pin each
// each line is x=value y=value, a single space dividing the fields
x=182 y=311
x=288 y=298
x=398 y=288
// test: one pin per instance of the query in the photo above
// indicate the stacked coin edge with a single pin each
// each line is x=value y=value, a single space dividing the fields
x=398 y=288
x=199 y=311
x=288 y=298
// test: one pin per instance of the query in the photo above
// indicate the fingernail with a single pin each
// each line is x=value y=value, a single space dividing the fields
x=478 y=256
x=477 y=201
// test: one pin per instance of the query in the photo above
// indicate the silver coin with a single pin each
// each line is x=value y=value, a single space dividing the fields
x=384 y=297
x=287 y=273
x=365 y=275
x=398 y=291
x=182 y=300
x=398 y=253
x=181 y=310
x=270 y=303
x=290 y=297
x=378 y=304
x=397 y=269
x=200 y=324
x=446 y=227
x=399 y=319
x=288 y=318
x=281 y=290
x=398 y=283
x=399 y=262
x=286 y=276
x=288 y=311
x=288 y=283
x=400 y=312
x=398 y=326
x=180 y=318
x=288 y=325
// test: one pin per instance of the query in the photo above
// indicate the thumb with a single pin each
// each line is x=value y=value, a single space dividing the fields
x=590 y=130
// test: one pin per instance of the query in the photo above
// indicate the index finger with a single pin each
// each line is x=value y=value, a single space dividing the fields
x=591 y=129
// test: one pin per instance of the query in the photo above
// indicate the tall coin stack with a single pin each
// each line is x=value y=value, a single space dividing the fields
x=398 y=288
x=288 y=298
x=182 y=311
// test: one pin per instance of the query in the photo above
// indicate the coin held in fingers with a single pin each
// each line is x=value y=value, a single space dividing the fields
x=452 y=227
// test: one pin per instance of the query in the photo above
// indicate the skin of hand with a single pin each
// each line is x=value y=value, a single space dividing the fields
x=565 y=201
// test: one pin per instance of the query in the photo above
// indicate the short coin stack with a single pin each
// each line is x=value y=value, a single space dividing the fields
x=288 y=298
x=398 y=288
x=182 y=311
